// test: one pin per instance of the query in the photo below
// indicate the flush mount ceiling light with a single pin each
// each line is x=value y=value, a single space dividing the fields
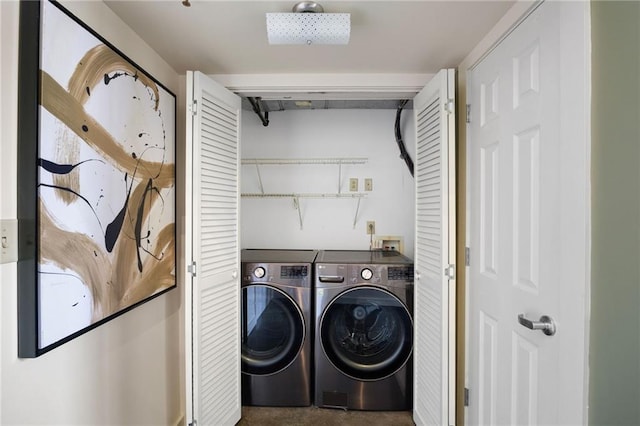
x=308 y=24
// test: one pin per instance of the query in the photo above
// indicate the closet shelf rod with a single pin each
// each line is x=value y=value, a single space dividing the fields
x=307 y=195
x=281 y=161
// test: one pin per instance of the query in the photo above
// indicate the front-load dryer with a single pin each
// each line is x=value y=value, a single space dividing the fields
x=276 y=327
x=364 y=330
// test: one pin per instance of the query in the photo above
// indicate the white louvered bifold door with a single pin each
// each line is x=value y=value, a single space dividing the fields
x=434 y=314
x=215 y=292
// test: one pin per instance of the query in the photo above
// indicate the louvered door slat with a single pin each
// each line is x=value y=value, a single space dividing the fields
x=432 y=402
x=216 y=289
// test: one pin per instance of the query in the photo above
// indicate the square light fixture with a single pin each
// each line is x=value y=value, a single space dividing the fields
x=307 y=24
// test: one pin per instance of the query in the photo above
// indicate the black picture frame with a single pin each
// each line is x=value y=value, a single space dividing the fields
x=96 y=181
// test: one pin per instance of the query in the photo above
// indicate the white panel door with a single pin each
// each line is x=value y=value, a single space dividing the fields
x=434 y=309
x=528 y=177
x=212 y=302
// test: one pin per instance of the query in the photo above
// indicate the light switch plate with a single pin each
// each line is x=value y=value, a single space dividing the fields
x=8 y=240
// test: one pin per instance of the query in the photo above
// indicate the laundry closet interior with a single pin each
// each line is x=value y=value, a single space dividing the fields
x=323 y=157
x=327 y=302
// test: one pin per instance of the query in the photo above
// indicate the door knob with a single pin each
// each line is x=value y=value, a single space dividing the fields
x=546 y=324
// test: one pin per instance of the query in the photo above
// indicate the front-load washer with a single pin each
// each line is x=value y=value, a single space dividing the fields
x=276 y=327
x=364 y=330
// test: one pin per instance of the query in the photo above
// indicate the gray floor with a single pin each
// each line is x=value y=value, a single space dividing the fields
x=276 y=416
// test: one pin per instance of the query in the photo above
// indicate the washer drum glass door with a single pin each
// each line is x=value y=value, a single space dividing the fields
x=272 y=330
x=367 y=333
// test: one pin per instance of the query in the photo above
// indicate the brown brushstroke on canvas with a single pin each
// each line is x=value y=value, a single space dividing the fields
x=78 y=253
x=67 y=152
x=125 y=250
x=92 y=68
x=90 y=72
x=63 y=106
x=113 y=279
x=162 y=274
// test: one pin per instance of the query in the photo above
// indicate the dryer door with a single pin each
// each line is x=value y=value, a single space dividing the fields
x=366 y=333
x=273 y=330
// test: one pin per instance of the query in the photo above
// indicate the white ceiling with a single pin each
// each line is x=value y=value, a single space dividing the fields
x=388 y=37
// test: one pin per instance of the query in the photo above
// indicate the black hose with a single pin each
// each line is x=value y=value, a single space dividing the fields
x=403 y=150
x=255 y=104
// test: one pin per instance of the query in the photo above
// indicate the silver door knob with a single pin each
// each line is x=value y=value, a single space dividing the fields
x=546 y=324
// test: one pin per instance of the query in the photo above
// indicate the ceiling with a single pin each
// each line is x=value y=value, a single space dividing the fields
x=387 y=37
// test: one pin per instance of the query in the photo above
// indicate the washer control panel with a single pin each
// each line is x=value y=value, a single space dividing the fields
x=298 y=275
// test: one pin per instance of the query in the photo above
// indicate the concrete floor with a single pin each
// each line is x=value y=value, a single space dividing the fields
x=286 y=416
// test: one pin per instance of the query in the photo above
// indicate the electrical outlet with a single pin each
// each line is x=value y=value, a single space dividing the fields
x=353 y=184
x=368 y=184
x=371 y=227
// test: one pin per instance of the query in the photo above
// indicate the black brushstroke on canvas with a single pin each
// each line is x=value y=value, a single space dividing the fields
x=60 y=169
x=62 y=188
x=108 y=78
x=114 y=228
x=139 y=220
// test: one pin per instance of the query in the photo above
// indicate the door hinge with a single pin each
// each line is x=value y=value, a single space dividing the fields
x=467 y=256
x=194 y=423
x=466 y=397
x=192 y=269
x=468 y=119
x=450 y=106
x=194 y=107
x=450 y=272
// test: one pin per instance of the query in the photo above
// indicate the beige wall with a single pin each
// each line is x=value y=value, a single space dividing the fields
x=126 y=371
x=614 y=382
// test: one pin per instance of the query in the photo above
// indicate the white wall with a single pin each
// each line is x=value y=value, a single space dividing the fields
x=327 y=223
x=123 y=372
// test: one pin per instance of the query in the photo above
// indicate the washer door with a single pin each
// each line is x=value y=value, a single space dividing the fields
x=367 y=333
x=272 y=330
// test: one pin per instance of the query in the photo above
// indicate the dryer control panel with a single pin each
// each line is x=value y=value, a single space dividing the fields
x=335 y=275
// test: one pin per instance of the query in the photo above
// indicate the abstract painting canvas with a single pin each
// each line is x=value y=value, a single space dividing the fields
x=97 y=181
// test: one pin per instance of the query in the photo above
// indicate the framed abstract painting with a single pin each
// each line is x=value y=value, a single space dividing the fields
x=96 y=181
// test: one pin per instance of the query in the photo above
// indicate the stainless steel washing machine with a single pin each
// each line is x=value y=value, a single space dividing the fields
x=364 y=330
x=276 y=327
